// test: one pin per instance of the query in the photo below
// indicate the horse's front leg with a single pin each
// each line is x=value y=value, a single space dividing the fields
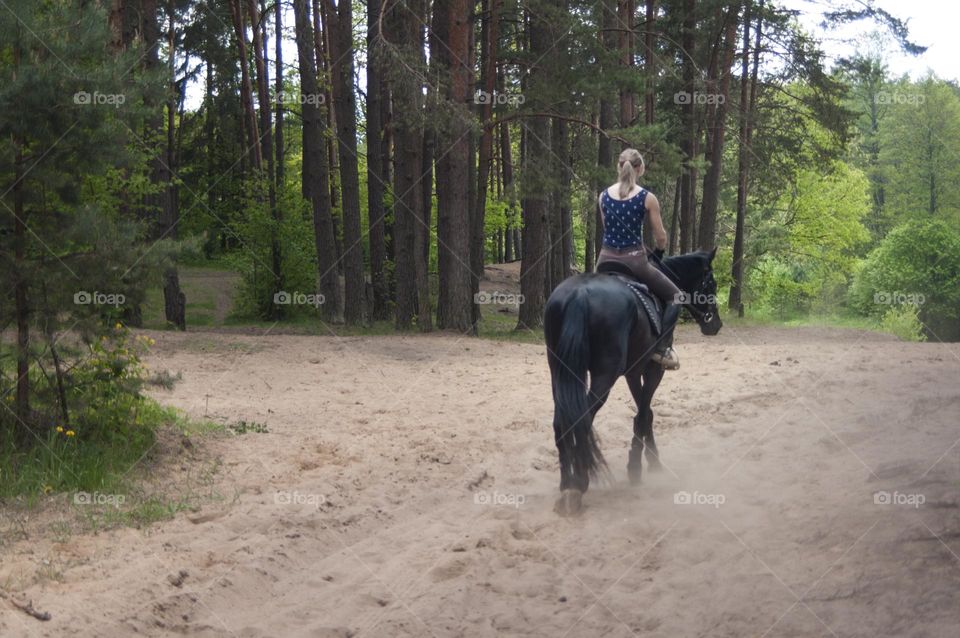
x=643 y=384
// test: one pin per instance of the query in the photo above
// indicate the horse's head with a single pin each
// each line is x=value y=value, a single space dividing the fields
x=693 y=273
x=704 y=298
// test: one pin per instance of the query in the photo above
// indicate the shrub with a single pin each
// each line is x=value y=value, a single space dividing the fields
x=919 y=264
x=904 y=322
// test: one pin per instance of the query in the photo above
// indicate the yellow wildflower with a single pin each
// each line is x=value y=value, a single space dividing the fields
x=59 y=428
x=71 y=433
x=47 y=489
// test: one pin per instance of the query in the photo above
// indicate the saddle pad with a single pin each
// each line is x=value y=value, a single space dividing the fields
x=646 y=302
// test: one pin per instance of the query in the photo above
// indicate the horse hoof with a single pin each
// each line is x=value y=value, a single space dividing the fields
x=635 y=479
x=569 y=503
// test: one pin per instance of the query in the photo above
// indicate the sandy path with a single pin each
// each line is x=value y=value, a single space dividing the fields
x=387 y=448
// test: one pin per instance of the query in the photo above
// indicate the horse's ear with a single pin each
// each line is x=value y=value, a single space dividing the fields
x=713 y=253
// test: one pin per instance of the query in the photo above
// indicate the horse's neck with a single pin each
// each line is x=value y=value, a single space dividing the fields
x=680 y=271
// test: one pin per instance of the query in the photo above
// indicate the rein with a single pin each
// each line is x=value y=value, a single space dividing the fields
x=698 y=315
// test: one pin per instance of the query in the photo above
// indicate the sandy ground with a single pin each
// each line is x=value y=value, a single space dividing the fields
x=406 y=485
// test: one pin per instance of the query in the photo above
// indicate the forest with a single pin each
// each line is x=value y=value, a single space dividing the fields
x=303 y=331
x=358 y=165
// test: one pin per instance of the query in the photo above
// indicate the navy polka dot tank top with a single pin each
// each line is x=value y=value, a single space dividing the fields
x=623 y=220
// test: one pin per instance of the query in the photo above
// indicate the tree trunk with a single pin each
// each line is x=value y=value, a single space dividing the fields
x=22 y=402
x=278 y=82
x=511 y=251
x=626 y=12
x=174 y=301
x=688 y=139
x=376 y=180
x=607 y=121
x=386 y=171
x=559 y=205
x=566 y=210
x=535 y=197
x=650 y=63
x=412 y=294
x=426 y=194
x=258 y=17
x=455 y=302
x=316 y=177
x=340 y=28
x=490 y=30
x=246 y=88
x=747 y=98
x=711 y=181
x=675 y=218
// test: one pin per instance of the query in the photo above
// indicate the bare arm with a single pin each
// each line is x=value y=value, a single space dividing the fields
x=600 y=209
x=656 y=223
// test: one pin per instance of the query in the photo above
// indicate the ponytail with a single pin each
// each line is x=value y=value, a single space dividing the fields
x=630 y=168
x=627 y=179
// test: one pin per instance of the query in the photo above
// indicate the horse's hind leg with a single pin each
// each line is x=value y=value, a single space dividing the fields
x=600 y=386
x=652 y=375
x=566 y=470
x=634 y=464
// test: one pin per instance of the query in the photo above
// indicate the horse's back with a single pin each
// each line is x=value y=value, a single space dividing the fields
x=611 y=311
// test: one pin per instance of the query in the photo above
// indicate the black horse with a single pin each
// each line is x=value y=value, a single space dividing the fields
x=591 y=324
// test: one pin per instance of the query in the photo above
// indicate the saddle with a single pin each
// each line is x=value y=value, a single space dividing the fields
x=647 y=303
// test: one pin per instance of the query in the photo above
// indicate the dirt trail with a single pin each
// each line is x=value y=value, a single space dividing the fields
x=366 y=510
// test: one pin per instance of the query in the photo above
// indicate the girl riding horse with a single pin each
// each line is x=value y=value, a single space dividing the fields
x=623 y=207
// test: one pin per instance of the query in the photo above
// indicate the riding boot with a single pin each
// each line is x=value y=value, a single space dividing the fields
x=671 y=313
x=665 y=354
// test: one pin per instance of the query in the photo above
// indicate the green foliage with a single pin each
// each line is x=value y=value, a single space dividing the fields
x=72 y=233
x=779 y=288
x=809 y=242
x=500 y=214
x=246 y=427
x=254 y=260
x=904 y=322
x=917 y=263
x=918 y=149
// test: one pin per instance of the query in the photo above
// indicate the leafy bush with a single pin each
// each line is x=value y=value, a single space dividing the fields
x=904 y=322
x=917 y=263
x=254 y=259
x=779 y=288
x=107 y=427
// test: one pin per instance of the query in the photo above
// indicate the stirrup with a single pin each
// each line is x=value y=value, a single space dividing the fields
x=668 y=359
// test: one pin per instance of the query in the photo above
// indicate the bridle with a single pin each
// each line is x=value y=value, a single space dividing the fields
x=702 y=317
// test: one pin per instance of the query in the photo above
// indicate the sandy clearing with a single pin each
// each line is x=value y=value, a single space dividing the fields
x=364 y=510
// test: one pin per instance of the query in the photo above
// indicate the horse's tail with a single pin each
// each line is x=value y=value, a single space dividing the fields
x=574 y=427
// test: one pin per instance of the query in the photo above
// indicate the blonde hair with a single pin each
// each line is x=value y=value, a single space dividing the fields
x=629 y=167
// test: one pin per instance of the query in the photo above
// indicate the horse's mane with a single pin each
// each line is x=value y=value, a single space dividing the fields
x=687 y=261
x=688 y=268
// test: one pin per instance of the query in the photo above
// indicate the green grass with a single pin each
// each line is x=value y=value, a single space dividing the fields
x=201 y=292
x=140 y=513
x=502 y=326
x=178 y=419
x=58 y=465
x=800 y=321
x=199 y=262
x=66 y=465
x=101 y=485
